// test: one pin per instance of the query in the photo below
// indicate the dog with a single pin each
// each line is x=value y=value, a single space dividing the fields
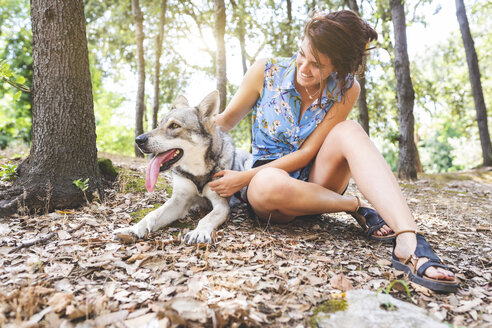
x=188 y=142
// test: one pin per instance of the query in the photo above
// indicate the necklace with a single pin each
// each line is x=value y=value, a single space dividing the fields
x=310 y=95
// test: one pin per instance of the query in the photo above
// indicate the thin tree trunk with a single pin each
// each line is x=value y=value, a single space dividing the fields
x=242 y=45
x=220 y=22
x=241 y=31
x=290 y=44
x=158 y=53
x=474 y=73
x=63 y=145
x=407 y=166
x=140 y=101
x=362 y=105
x=362 y=101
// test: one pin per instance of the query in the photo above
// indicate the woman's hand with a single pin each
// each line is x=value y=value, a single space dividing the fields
x=229 y=182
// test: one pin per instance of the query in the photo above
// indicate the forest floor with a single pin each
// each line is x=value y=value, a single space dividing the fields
x=253 y=274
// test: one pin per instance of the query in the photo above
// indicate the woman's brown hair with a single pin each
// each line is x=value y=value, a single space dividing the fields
x=342 y=36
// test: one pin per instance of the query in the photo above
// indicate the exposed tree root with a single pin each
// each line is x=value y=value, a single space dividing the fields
x=30 y=197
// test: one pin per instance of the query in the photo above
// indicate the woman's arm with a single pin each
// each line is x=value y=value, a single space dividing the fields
x=233 y=181
x=338 y=113
x=248 y=93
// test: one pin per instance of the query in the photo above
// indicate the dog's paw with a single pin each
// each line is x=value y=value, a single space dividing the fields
x=197 y=237
x=126 y=235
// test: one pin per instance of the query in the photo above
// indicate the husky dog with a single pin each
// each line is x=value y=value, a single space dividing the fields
x=188 y=142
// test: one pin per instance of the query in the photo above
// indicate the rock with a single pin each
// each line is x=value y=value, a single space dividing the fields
x=364 y=308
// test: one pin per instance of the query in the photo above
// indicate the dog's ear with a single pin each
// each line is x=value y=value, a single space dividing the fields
x=209 y=107
x=180 y=102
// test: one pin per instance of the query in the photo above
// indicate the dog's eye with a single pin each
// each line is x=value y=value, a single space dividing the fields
x=174 y=126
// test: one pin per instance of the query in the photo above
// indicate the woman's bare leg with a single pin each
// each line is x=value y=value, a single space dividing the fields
x=276 y=196
x=348 y=143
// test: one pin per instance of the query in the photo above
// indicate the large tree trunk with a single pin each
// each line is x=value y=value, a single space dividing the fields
x=407 y=166
x=474 y=73
x=63 y=145
x=140 y=102
x=362 y=101
x=220 y=23
x=158 y=53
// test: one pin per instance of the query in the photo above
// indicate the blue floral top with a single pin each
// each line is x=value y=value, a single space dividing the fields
x=277 y=129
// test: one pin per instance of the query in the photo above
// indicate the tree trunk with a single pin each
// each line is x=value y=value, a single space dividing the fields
x=158 y=53
x=407 y=166
x=362 y=101
x=220 y=22
x=63 y=145
x=474 y=73
x=140 y=102
x=241 y=32
x=352 y=4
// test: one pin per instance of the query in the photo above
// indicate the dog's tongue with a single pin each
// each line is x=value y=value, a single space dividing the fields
x=154 y=168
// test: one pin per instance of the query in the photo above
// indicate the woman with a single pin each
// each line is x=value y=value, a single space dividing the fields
x=300 y=106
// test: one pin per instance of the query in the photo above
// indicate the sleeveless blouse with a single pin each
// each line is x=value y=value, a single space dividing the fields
x=276 y=128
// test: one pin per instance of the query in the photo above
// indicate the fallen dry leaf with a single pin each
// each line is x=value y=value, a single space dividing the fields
x=467 y=306
x=60 y=301
x=341 y=282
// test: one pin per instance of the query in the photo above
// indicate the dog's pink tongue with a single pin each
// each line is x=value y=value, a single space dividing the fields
x=154 y=167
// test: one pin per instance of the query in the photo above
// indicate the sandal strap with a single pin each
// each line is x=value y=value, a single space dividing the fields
x=403 y=231
x=430 y=263
x=358 y=204
x=375 y=227
x=425 y=250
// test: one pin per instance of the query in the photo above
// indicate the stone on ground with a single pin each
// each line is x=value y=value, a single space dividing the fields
x=365 y=308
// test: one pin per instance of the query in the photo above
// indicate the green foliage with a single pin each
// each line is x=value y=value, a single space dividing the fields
x=82 y=184
x=323 y=310
x=401 y=282
x=107 y=169
x=16 y=70
x=8 y=172
x=16 y=81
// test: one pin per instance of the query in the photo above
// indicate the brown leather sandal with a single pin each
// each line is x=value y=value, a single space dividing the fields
x=409 y=265
x=370 y=221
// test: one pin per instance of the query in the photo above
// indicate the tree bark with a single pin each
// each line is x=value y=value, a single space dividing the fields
x=220 y=22
x=474 y=74
x=157 y=73
x=140 y=101
x=63 y=145
x=407 y=166
x=241 y=32
x=362 y=101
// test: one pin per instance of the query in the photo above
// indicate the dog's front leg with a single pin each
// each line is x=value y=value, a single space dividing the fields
x=210 y=222
x=173 y=209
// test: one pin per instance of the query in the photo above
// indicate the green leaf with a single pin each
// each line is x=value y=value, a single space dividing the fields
x=21 y=79
x=17 y=95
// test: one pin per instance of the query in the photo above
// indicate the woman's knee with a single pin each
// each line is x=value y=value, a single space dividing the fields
x=345 y=134
x=346 y=129
x=267 y=187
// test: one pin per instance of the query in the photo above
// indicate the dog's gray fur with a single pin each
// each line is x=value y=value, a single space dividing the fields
x=206 y=151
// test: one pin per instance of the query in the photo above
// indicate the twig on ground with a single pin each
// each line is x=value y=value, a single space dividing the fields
x=42 y=240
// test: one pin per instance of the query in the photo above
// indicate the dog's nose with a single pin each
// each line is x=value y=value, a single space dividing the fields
x=141 y=140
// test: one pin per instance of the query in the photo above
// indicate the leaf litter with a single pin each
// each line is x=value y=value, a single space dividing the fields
x=64 y=268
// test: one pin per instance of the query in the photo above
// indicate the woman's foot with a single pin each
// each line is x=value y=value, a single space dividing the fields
x=371 y=222
x=406 y=244
x=384 y=230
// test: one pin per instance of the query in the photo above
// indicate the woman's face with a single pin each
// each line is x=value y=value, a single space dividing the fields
x=308 y=72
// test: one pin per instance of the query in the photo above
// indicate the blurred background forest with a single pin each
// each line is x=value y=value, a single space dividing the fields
x=446 y=131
